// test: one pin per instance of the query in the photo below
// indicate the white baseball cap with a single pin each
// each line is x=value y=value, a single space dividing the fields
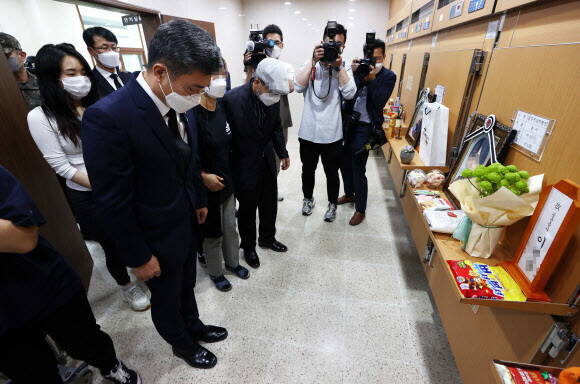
x=273 y=73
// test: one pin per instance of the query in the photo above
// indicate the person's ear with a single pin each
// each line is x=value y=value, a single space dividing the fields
x=92 y=52
x=22 y=54
x=158 y=71
x=281 y=45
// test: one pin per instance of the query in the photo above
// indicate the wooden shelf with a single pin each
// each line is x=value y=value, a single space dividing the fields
x=450 y=249
x=397 y=144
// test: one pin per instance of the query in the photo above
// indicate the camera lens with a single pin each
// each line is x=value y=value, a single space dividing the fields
x=330 y=54
x=363 y=70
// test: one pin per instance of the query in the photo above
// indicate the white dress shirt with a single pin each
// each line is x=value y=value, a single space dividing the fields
x=360 y=105
x=289 y=70
x=63 y=156
x=107 y=76
x=163 y=108
x=322 y=118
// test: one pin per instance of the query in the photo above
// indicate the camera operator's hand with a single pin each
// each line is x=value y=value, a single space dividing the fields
x=318 y=53
x=337 y=62
x=285 y=163
x=355 y=64
x=247 y=57
x=371 y=76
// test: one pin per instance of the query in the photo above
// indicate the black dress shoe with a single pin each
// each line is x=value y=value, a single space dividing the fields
x=276 y=246
x=213 y=334
x=202 y=358
x=252 y=258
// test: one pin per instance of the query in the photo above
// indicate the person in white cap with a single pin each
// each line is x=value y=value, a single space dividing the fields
x=253 y=112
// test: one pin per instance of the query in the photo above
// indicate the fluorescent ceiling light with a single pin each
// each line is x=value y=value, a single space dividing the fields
x=297 y=12
x=352 y=10
x=287 y=3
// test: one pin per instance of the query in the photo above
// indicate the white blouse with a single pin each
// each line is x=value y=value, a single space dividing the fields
x=60 y=153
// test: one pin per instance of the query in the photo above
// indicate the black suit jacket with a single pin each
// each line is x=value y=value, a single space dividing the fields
x=103 y=86
x=250 y=146
x=140 y=184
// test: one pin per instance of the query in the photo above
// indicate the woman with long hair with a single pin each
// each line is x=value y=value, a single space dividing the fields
x=66 y=89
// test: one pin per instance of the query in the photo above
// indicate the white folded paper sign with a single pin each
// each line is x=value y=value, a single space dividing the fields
x=443 y=221
x=433 y=141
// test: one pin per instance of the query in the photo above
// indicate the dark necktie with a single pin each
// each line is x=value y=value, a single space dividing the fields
x=183 y=149
x=116 y=80
x=173 y=124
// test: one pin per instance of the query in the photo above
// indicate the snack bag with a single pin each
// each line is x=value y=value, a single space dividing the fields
x=526 y=376
x=481 y=281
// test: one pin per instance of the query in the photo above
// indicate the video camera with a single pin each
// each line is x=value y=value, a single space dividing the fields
x=257 y=45
x=332 y=48
x=365 y=63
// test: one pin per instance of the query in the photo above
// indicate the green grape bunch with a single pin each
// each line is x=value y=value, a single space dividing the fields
x=491 y=178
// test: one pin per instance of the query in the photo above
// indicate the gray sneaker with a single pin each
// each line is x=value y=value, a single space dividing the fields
x=330 y=215
x=307 y=205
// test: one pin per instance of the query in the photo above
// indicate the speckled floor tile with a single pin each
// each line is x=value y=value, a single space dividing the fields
x=361 y=369
x=372 y=282
x=324 y=245
x=298 y=364
x=369 y=249
x=374 y=329
x=276 y=271
x=322 y=276
x=313 y=320
x=255 y=311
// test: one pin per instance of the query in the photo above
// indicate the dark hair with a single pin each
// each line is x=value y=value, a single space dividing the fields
x=184 y=47
x=340 y=30
x=90 y=33
x=378 y=44
x=273 y=28
x=54 y=100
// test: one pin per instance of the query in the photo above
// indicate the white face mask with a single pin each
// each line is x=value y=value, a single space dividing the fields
x=274 y=52
x=179 y=103
x=217 y=88
x=378 y=67
x=109 y=59
x=269 y=99
x=77 y=86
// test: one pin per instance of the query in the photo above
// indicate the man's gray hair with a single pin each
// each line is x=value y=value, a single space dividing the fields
x=184 y=47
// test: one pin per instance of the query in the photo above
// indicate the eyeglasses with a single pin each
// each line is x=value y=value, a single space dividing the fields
x=106 y=49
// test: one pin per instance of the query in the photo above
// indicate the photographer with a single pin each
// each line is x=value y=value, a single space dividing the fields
x=325 y=80
x=373 y=91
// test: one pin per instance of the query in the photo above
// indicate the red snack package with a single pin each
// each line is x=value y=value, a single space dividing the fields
x=525 y=376
x=470 y=282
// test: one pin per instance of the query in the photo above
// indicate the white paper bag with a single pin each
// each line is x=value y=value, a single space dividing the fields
x=433 y=150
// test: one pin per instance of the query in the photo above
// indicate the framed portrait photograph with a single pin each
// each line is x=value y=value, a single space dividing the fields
x=476 y=150
x=414 y=131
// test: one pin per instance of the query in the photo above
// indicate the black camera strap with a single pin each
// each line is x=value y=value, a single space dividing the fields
x=329 y=83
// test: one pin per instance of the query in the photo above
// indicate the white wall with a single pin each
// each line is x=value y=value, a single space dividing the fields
x=225 y=14
x=300 y=36
x=38 y=22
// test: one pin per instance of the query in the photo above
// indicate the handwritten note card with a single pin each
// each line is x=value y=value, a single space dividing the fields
x=531 y=130
x=553 y=213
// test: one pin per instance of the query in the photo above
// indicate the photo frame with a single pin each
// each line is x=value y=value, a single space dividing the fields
x=414 y=131
x=551 y=227
x=475 y=149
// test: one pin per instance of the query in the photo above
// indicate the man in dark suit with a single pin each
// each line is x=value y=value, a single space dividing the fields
x=141 y=156
x=102 y=46
x=253 y=112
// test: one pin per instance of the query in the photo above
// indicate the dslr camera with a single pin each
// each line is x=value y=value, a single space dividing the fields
x=257 y=45
x=377 y=139
x=365 y=63
x=332 y=48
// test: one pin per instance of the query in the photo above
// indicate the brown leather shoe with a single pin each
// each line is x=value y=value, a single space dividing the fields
x=357 y=218
x=345 y=199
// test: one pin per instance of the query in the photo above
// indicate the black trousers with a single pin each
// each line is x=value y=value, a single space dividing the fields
x=26 y=357
x=88 y=217
x=331 y=155
x=173 y=306
x=263 y=198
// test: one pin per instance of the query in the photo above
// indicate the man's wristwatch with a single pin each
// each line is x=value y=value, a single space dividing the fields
x=337 y=69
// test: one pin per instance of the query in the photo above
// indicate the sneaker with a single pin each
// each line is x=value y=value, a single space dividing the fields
x=307 y=205
x=330 y=215
x=201 y=259
x=221 y=283
x=138 y=300
x=122 y=375
x=280 y=198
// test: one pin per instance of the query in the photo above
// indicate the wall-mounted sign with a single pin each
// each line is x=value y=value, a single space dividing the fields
x=131 y=19
x=475 y=5
x=455 y=10
x=533 y=133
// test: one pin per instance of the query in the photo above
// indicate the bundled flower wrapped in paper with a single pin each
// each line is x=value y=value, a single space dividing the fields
x=493 y=205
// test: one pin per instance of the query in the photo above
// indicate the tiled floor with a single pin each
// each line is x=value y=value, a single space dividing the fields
x=343 y=305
